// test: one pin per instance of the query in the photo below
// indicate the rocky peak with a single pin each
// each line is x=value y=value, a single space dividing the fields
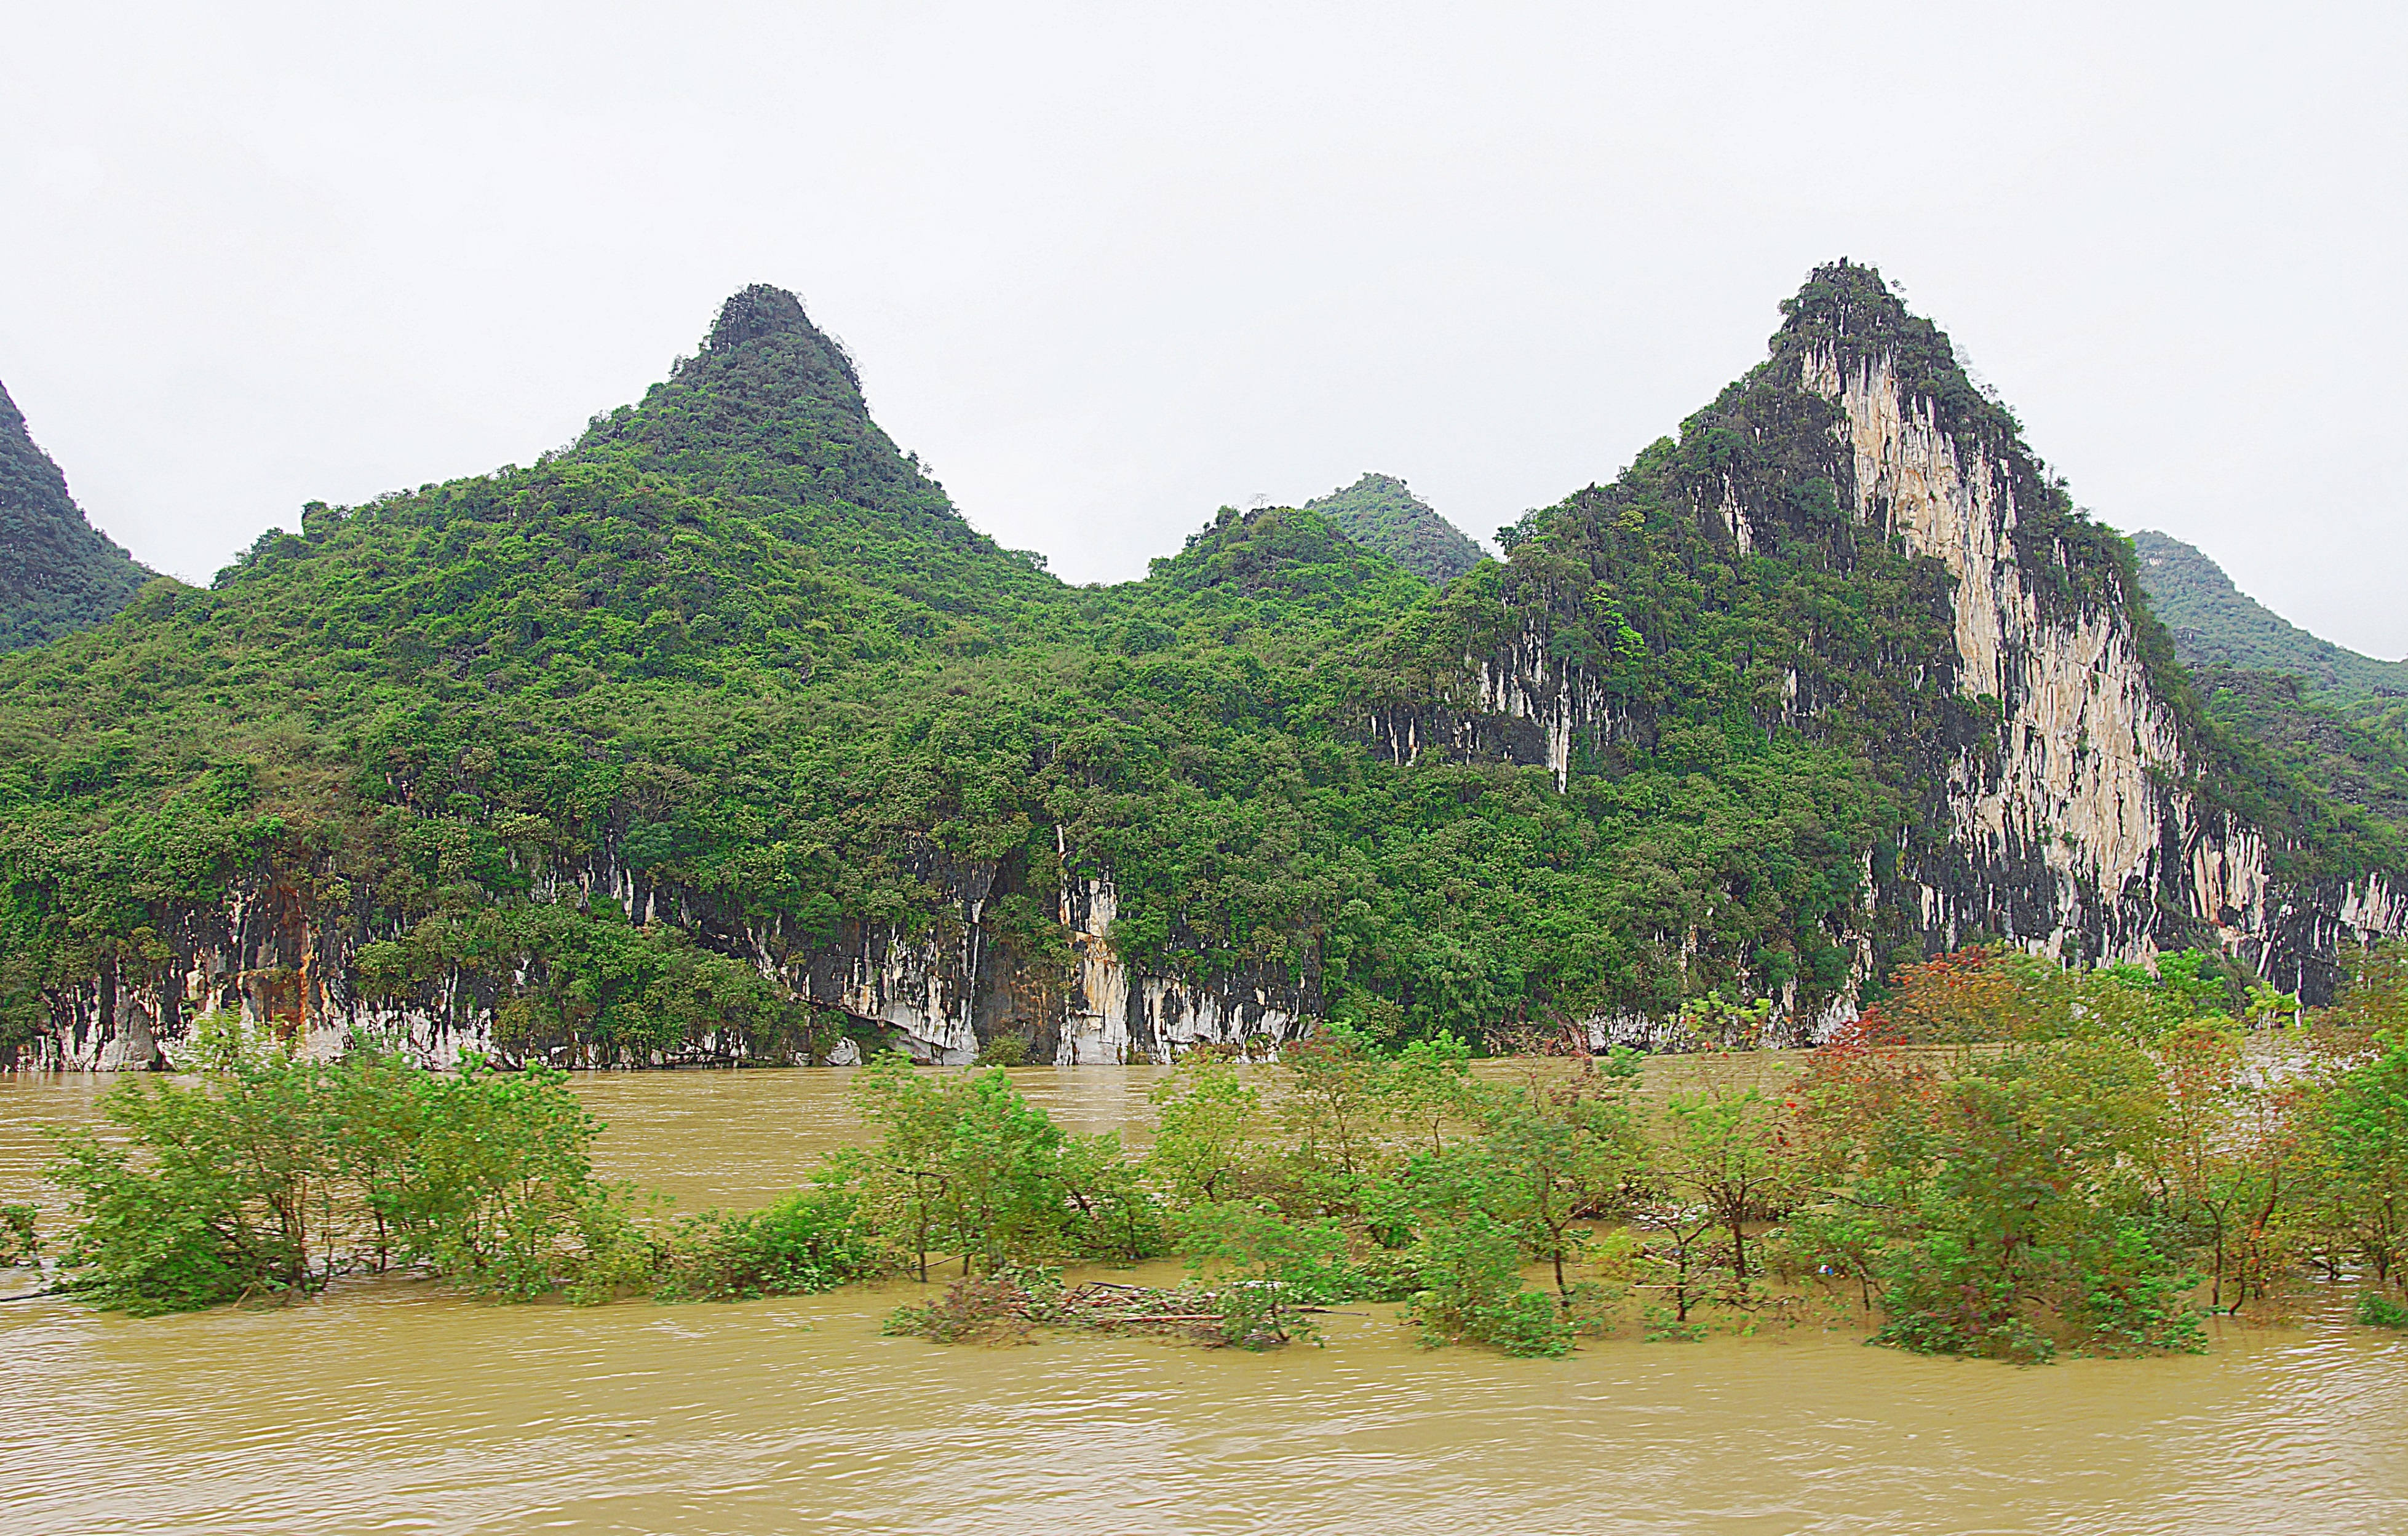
x=763 y=311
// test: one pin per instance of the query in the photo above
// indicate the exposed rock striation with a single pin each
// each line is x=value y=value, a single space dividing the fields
x=275 y=959
x=1846 y=610
x=2072 y=799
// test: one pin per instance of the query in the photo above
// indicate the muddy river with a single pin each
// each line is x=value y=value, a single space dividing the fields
x=391 y=1406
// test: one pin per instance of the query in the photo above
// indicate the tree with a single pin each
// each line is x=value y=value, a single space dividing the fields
x=967 y=1165
x=1732 y=1151
x=2012 y=1220
x=1212 y=1124
x=2364 y=1125
x=1559 y=1148
x=1266 y=1268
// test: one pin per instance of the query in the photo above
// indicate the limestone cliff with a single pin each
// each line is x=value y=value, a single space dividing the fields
x=276 y=958
x=722 y=737
x=2074 y=800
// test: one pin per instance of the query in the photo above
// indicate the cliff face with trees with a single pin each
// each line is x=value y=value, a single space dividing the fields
x=58 y=574
x=720 y=734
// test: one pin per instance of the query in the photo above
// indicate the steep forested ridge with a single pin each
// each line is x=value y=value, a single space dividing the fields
x=720 y=732
x=2338 y=718
x=58 y=574
x=1380 y=512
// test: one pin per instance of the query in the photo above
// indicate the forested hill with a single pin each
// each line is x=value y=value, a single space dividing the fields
x=721 y=734
x=2218 y=624
x=1378 y=512
x=58 y=574
x=2337 y=718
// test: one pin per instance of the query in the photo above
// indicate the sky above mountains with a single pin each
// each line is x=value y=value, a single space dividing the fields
x=1109 y=267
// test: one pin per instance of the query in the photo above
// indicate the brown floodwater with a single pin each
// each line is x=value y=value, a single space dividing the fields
x=392 y=1406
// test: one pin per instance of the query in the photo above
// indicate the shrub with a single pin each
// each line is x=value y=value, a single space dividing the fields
x=281 y=1174
x=19 y=1243
x=812 y=1239
x=1471 y=1289
x=996 y=1309
x=2376 y=1309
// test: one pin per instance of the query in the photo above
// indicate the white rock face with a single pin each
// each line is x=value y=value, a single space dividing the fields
x=924 y=989
x=2087 y=772
x=1520 y=681
x=1114 y=1016
x=2082 y=732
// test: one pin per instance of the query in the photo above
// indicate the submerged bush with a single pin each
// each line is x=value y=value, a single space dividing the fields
x=1472 y=1290
x=2376 y=1309
x=995 y=1309
x=2075 y=1185
x=812 y=1239
x=281 y=1174
x=19 y=1243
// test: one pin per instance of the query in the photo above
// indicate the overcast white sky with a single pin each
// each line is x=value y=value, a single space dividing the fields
x=1109 y=266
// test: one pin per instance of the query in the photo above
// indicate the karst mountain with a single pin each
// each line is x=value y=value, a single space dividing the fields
x=721 y=734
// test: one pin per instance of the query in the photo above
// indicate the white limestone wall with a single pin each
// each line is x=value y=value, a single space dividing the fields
x=2085 y=740
x=1114 y=1015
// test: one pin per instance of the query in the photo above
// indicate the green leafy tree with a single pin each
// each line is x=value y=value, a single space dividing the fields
x=1732 y=1151
x=1560 y=1149
x=1209 y=1146
x=1267 y=1269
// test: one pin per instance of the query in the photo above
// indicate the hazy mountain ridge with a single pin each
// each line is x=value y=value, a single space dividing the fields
x=2215 y=623
x=2338 y=718
x=58 y=574
x=722 y=733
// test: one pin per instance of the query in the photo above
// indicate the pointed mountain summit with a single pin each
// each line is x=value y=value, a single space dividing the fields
x=764 y=310
x=1380 y=512
x=58 y=574
x=771 y=409
x=722 y=735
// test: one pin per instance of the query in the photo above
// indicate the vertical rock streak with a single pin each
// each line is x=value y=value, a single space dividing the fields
x=2085 y=801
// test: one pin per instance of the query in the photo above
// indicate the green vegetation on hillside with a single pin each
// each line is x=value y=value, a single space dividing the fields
x=2337 y=720
x=2216 y=624
x=1378 y=512
x=581 y=744
x=58 y=574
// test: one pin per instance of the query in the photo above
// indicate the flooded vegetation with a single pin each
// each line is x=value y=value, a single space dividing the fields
x=1627 y=1293
x=397 y=1404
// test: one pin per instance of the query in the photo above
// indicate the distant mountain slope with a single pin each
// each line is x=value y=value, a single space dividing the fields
x=2356 y=753
x=2337 y=718
x=2216 y=623
x=58 y=574
x=1379 y=513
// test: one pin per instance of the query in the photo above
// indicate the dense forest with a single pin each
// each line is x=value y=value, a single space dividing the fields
x=1380 y=512
x=58 y=574
x=681 y=730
